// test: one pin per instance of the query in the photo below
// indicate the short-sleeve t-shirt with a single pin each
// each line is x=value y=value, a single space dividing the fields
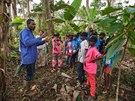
x=91 y=67
x=82 y=51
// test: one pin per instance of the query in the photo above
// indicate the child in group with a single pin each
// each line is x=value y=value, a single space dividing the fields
x=69 y=51
x=75 y=48
x=107 y=72
x=78 y=37
x=56 y=53
x=81 y=56
x=107 y=76
x=90 y=65
x=97 y=44
x=102 y=42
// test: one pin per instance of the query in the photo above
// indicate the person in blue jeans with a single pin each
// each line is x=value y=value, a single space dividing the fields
x=28 y=51
x=75 y=47
x=69 y=52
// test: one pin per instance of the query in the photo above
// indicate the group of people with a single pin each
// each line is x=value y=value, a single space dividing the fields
x=83 y=48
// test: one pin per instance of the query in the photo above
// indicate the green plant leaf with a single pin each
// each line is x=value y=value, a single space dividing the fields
x=130 y=9
x=117 y=58
x=132 y=51
x=74 y=26
x=109 y=10
x=59 y=5
x=106 y=21
x=114 y=27
x=58 y=20
x=92 y=14
x=114 y=39
x=38 y=8
x=18 y=21
x=70 y=11
x=114 y=48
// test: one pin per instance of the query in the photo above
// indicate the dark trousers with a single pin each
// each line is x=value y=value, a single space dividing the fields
x=30 y=70
x=80 y=72
x=69 y=60
x=74 y=56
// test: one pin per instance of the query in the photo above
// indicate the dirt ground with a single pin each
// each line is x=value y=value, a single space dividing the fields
x=45 y=80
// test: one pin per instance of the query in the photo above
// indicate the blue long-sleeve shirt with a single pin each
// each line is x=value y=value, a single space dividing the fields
x=28 y=46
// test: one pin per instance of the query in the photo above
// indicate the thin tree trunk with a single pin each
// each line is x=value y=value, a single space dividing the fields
x=87 y=5
x=14 y=8
x=110 y=2
x=48 y=17
x=23 y=8
x=119 y=73
x=28 y=8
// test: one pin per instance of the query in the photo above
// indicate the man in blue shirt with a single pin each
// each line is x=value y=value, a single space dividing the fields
x=28 y=50
x=75 y=48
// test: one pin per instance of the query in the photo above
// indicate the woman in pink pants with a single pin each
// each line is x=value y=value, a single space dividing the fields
x=90 y=65
x=56 y=53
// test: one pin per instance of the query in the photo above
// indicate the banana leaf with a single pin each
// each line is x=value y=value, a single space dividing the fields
x=114 y=48
x=132 y=51
x=70 y=11
x=109 y=10
x=117 y=58
x=74 y=26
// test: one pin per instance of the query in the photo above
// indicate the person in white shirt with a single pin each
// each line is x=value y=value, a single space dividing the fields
x=81 y=56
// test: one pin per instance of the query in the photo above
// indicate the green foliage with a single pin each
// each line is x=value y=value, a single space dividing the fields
x=74 y=26
x=114 y=27
x=18 y=21
x=70 y=11
x=132 y=51
x=117 y=58
x=59 y=5
x=121 y=21
x=114 y=48
x=58 y=20
x=38 y=8
x=92 y=14
x=114 y=39
x=130 y=9
x=14 y=55
x=109 y=10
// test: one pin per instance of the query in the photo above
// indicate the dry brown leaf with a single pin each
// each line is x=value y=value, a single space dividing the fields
x=33 y=88
x=65 y=75
x=69 y=89
x=75 y=95
x=62 y=89
x=55 y=87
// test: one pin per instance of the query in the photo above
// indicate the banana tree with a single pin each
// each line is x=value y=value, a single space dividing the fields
x=68 y=13
x=120 y=21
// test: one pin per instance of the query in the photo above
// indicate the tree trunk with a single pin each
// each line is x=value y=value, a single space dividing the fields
x=110 y=2
x=23 y=8
x=48 y=17
x=4 y=26
x=14 y=8
x=87 y=5
x=88 y=10
x=28 y=8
